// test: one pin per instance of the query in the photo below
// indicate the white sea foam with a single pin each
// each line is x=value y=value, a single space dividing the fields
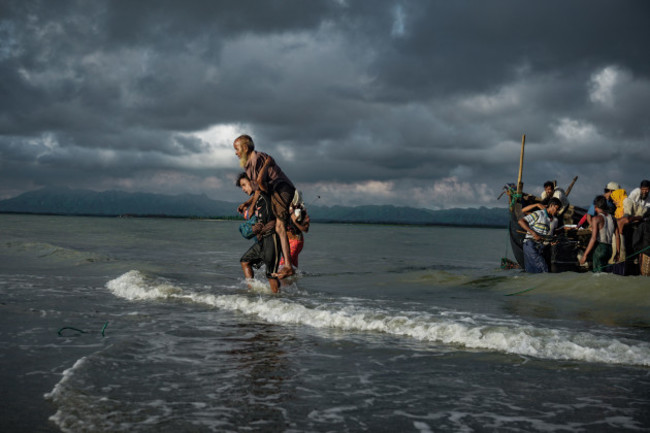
x=82 y=409
x=58 y=388
x=135 y=285
x=454 y=329
x=422 y=427
x=63 y=418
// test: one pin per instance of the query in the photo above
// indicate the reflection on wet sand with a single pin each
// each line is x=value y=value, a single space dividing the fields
x=265 y=372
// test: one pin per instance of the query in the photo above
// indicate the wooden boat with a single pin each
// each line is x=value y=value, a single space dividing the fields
x=563 y=253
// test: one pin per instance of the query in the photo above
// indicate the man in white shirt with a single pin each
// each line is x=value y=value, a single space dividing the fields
x=637 y=202
x=565 y=213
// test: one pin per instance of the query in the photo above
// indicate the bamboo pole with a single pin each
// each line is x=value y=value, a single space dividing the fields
x=568 y=190
x=520 y=185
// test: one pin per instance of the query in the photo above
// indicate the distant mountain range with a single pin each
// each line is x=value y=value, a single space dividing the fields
x=65 y=201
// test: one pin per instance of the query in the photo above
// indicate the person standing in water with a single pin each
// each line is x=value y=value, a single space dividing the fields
x=267 y=248
x=539 y=225
x=603 y=229
x=298 y=225
x=266 y=176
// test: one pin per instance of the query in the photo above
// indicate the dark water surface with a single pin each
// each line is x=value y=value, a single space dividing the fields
x=387 y=328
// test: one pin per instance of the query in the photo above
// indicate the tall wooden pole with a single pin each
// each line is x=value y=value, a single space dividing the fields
x=520 y=185
x=568 y=190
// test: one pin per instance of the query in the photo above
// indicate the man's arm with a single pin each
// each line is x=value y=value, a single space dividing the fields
x=245 y=205
x=617 y=233
x=262 y=173
x=530 y=207
x=304 y=226
x=621 y=222
x=252 y=201
x=597 y=225
x=524 y=225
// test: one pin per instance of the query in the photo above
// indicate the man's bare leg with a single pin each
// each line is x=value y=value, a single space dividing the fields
x=248 y=271
x=274 y=283
x=281 y=230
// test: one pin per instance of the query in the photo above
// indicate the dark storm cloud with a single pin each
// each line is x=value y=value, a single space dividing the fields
x=472 y=46
x=404 y=102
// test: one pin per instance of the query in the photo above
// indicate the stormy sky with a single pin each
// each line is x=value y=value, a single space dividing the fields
x=418 y=103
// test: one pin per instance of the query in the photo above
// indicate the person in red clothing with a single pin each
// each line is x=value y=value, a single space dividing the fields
x=299 y=224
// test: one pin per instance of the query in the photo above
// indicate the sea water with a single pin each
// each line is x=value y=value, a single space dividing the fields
x=147 y=325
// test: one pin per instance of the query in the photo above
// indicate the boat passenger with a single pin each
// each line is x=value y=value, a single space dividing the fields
x=637 y=202
x=539 y=226
x=611 y=206
x=551 y=191
x=618 y=197
x=627 y=212
x=603 y=230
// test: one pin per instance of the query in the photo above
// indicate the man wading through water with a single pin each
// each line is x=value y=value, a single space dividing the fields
x=539 y=225
x=267 y=176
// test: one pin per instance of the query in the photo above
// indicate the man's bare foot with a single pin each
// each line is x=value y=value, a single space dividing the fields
x=285 y=272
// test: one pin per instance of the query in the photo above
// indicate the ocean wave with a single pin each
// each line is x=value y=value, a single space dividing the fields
x=82 y=409
x=459 y=329
x=56 y=253
x=62 y=394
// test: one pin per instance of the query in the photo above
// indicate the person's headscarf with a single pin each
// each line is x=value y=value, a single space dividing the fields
x=618 y=197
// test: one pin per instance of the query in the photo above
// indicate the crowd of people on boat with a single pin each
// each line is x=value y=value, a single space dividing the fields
x=606 y=218
x=275 y=215
x=276 y=218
